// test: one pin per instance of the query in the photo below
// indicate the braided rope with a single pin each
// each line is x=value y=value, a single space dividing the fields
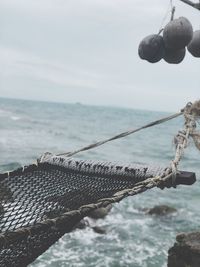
x=182 y=138
x=22 y=233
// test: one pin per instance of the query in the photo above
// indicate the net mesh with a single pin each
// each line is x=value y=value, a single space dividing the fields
x=40 y=203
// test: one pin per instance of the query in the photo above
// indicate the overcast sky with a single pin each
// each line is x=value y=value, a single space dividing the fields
x=86 y=51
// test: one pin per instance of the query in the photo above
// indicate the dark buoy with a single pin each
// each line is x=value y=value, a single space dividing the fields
x=178 y=33
x=174 y=56
x=194 y=45
x=151 y=48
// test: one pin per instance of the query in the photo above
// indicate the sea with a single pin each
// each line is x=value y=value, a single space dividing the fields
x=133 y=238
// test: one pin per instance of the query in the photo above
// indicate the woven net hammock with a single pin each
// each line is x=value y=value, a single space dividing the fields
x=41 y=202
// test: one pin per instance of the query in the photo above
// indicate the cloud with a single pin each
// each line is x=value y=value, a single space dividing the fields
x=86 y=51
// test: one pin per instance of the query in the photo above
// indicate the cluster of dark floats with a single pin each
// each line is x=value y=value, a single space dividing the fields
x=171 y=46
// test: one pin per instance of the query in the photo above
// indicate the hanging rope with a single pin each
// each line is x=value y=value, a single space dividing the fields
x=172 y=13
x=182 y=138
x=121 y=135
x=169 y=8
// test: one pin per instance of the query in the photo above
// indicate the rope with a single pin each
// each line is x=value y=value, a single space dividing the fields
x=121 y=135
x=172 y=13
x=169 y=8
x=191 y=113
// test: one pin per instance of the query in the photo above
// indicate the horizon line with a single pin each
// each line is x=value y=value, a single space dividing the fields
x=84 y=104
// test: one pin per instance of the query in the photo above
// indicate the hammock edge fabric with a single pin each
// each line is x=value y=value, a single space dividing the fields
x=46 y=232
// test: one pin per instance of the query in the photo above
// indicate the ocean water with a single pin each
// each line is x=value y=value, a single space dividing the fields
x=28 y=128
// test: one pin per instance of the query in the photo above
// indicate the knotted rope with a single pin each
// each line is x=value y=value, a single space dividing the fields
x=182 y=138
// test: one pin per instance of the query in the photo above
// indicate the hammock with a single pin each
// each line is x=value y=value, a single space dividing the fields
x=40 y=203
x=43 y=201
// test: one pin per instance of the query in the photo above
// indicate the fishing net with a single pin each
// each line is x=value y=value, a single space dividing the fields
x=39 y=203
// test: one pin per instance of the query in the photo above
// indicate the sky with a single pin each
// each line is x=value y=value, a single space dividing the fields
x=87 y=51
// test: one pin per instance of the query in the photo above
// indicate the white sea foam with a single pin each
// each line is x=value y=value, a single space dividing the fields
x=15 y=118
x=5 y=113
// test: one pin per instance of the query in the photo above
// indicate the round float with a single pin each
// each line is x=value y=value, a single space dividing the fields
x=151 y=48
x=178 y=33
x=174 y=56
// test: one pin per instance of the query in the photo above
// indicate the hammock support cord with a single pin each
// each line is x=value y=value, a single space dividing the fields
x=47 y=231
x=41 y=202
x=121 y=135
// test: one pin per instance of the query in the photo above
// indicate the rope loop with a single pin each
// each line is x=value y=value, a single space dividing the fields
x=191 y=113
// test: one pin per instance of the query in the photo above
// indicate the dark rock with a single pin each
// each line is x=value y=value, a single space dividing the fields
x=99 y=230
x=178 y=33
x=161 y=210
x=100 y=213
x=151 y=48
x=186 y=251
x=194 y=45
x=174 y=56
x=82 y=224
x=94 y=215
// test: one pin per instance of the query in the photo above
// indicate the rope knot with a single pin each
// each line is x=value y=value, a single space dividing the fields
x=180 y=138
x=193 y=109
